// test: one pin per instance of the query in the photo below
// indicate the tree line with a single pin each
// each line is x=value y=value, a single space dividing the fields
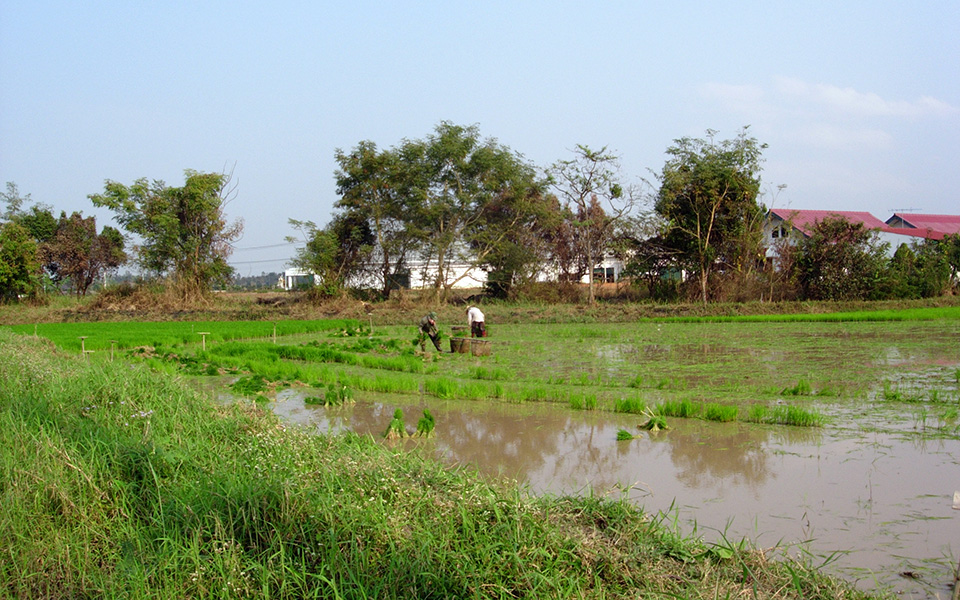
x=454 y=200
x=695 y=232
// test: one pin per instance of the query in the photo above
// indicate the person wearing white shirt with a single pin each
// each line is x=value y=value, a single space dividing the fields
x=475 y=320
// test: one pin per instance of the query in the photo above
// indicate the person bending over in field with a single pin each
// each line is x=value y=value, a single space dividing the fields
x=475 y=320
x=428 y=329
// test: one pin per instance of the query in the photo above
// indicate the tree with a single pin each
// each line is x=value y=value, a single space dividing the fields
x=590 y=189
x=840 y=260
x=372 y=187
x=77 y=254
x=183 y=231
x=14 y=202
x=453 y=177
x=709 y=197
x=511 y=236
x=334 y=253
x=19 y=266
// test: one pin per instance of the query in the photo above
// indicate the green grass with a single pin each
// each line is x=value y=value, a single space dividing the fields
x=119 y=482
x=167 y=334
x=631 y=404
x=720 y=412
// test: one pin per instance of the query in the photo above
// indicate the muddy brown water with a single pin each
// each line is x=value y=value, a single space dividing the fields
x=873 y=507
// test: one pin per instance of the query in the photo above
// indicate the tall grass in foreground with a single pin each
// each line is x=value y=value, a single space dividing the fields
x=119 y=483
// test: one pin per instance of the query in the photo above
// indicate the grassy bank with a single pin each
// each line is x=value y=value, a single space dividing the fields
x=118 y=482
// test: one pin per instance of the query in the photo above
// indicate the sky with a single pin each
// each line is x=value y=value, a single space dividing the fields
x=857 y=101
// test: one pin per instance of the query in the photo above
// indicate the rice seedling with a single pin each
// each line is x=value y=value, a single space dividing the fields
x=624 y=435
x=655 y=421
x=98 y=335
x=636 y=382
x=425 y=425
x=632 y=404
x=720 y=412
x=250 y=385
x=795 y=416
x=802 y=388
x=684 y=409
x=441 y=387
x=396 y=429
x=890 y=393
x=758 y=413
x=337 y=394
x=671 y=383
x=491 y=373
x=582 y=401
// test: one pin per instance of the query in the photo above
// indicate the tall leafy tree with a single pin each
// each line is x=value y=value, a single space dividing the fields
x=511 y=235
x=374 y=186
x=455 y=176
x=14 y=201
x=590 y=188
x=840 y=260
x=184 y=232
x=709 y=197
x=19 y=265
x=78 y=255
x=335 y=253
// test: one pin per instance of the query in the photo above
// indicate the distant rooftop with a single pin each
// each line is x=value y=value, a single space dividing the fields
x=804 y=220
x=937 y=224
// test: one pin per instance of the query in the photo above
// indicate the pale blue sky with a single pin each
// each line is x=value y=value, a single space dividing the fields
x=859 y=101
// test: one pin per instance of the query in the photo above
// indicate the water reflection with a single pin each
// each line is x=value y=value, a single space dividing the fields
x=872 y=497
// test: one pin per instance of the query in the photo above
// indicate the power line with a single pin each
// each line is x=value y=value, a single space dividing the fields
x=256 y=262
x=235 y=249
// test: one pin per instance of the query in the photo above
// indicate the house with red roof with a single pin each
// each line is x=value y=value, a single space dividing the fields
x=936 y=226
x=791 y=224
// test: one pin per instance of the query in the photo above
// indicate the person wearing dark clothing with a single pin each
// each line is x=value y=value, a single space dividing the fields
x=428 y=329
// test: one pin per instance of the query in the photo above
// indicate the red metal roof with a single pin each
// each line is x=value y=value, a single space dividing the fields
x=942 y=224
x=804 y=220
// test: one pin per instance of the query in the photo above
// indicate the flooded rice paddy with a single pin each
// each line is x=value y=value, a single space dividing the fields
x=869 y=495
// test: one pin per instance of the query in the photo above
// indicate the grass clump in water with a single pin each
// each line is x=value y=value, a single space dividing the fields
x=656 y=421
x=723 y=413
x=785 y=415
x=583 y=401
x=684 y=409
x=624 y=435
x=251 y=385
x=396 y=429
x=425 y=425
x=632 y=405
